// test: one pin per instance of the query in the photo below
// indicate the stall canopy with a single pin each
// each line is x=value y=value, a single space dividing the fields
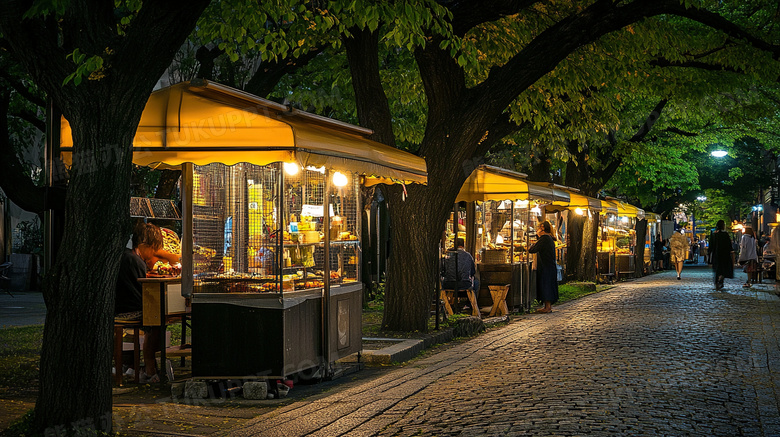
x=584 y=202
x=627 y=210
x=203 y=122
x=493 y=183
x=608 y=207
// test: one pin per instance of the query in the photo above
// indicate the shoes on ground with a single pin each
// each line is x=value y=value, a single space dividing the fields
x=679 y=278
x=746 y=286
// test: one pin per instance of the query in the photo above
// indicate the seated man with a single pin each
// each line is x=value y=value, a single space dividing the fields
x=459 y=271
x=147 y=241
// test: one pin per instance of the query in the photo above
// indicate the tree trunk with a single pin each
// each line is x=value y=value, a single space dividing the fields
x=574 y=229
x=169 y=180
x=411 y=268
x=586 y=265
x=79 y=291
x=639 y=248
x=75 y=379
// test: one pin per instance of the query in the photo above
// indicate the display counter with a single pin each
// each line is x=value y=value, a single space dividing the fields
x=517 y=275
x=606 y=264
x=625 y=266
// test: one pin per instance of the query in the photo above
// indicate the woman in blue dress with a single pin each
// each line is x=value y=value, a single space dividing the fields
x=546 y=268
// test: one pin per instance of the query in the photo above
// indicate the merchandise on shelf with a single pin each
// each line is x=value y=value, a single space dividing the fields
x=269 y=226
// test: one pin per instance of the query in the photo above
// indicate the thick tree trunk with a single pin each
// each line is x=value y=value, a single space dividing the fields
x=586 y=265
x=79 y=291
x=411 y=270
x=75 y=380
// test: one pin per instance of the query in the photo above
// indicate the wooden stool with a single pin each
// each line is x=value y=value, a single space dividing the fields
x=119 y=328
x=448 y=296
x=498 y=293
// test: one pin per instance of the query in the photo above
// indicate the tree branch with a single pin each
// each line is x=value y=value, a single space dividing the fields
x=467 y=14
x=372 y=106
x=662 y=62
x=21 y=89
x=270 y=73
x=14 y=180
x=677 y=131
x=653 y=117
x=553 y=45
x=31 y=118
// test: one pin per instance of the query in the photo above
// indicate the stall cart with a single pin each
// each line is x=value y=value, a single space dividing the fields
x=271 y=211
x=506 y=208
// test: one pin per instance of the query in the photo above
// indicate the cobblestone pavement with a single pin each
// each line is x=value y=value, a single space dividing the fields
x=655 y=356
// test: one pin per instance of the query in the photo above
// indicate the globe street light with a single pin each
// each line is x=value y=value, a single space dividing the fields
x=719 y=153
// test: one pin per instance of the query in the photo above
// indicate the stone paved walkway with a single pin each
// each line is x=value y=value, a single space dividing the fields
x=655 y=356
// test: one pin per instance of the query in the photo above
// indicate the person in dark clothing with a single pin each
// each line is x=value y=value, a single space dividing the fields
x=658 y=252
x=147 y=240
x=459 y=270
x=721 y=255
x=546 y=269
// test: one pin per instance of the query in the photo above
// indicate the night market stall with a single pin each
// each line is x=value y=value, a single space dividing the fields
x=502 y=213
x=271 y=212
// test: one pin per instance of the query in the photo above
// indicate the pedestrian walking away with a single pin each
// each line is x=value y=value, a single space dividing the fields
x=721 y=254
x=546 y=270
x=748 y=257
x=658 y=252
x=679 y=244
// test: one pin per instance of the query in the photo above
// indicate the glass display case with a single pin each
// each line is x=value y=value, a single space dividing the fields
x=625 y=235
x=261 y=229
x=275 y=264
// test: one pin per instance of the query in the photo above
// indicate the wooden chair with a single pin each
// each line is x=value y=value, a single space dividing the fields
x=119 y=329
x=449 y=297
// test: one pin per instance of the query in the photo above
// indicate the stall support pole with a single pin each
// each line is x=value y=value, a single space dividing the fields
x=326 y=270
x=54 y=217
x=187 y=281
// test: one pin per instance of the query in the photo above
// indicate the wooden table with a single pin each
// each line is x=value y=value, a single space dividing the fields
x=161 y=304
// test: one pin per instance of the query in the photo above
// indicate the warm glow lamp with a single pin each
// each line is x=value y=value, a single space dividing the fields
x=579 y=211
x=291 y=168
x=340 y=179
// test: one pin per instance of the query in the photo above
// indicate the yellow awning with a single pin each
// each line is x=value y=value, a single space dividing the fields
x=608 y=207
x=584 y=202
x=203 y=122
x=626 y=209
x=493 y=183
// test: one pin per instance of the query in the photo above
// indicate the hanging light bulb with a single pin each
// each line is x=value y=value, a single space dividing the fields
x=291 y=168
x=340 y=179
x=579 y=211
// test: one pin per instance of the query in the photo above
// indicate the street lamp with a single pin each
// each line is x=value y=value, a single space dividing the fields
x=719 y=153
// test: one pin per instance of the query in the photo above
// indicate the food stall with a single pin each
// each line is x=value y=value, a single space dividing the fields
x=653 y=230
x=626 y=249
x=507 y=208
x=271 y=213
x=606 y=240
